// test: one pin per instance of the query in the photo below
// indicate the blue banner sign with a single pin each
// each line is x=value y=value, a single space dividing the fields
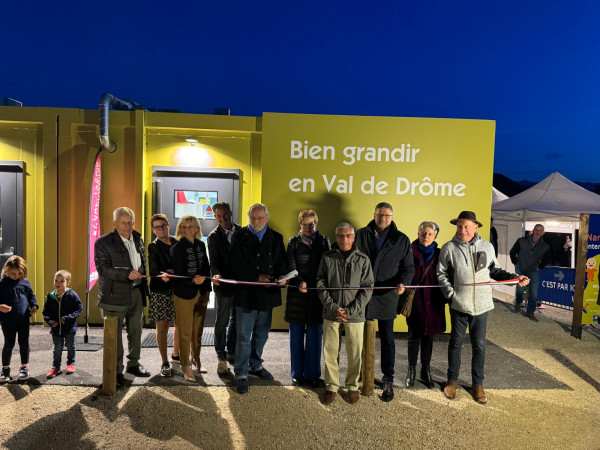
x=557 y=286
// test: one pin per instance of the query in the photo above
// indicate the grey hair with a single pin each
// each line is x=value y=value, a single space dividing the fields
x=428 y=224
x=384 y=205
x=256 y=206
x=344 y=225
x=123 y=210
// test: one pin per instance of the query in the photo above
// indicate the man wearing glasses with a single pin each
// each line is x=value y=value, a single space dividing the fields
x=392 y=262
x=257 y=254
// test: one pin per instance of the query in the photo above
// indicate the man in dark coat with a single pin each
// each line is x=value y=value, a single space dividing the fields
x=529 y=254
x=122 y=288
x=392 y=262
x=219 y=241
x=257 y=254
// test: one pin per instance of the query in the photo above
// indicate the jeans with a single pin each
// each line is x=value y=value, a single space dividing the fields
x=252 y=333
x=305 y=358
x=388 y=349
x=225 y=333
x=10 y=330
x=416 y=340
x=533 y=290
x=477 y=329
x=60 y=342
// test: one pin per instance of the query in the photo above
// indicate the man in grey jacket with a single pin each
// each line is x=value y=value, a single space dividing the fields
x=344 y=266
x=529 y=254
x=123 y=289
x=465 y=261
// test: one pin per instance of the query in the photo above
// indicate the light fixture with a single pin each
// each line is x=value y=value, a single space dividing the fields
x=192 y=141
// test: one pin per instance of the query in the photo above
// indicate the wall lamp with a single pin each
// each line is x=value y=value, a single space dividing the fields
x=192 y=141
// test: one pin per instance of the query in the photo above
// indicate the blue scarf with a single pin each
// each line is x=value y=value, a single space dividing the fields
x=259 y=234
x=427 y=251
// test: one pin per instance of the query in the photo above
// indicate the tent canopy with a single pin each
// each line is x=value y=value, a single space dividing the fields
x=497 y=195
x=555 y=198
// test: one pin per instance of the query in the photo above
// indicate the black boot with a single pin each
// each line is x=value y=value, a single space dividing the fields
x=426 y=377
x=410 y=376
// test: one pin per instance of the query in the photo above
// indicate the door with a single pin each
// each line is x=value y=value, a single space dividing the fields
x=11 y=209
x=181 y=191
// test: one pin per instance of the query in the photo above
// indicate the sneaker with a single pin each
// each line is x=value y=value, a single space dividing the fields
x=222 y=368
x=241 y=385
x=5 y=375
x=23 y=373
x=261 y=373
x=175 y=359
x=166 y=371
x=70 y=369
x=541 y=306
x=52 y=373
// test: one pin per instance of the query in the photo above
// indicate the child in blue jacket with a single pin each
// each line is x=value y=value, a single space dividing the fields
x=61 y=310
x=17 y=305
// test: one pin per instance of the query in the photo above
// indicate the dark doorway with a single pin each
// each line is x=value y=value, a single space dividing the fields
x=179 y=191
x=11 y=209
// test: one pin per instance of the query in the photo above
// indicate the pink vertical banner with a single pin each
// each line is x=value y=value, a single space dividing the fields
x=94 y=221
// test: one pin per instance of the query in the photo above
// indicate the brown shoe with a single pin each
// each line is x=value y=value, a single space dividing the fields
x=517 y=308
x=479 y=394
x=329 y=397
x=450 y=390
x=353 y=397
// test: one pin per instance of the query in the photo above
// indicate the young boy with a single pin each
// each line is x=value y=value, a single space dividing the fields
x=61 y=310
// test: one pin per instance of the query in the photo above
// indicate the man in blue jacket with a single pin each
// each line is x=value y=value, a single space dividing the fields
x=393 y=265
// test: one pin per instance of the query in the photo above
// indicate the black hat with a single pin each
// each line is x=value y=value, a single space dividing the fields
x=466 y=215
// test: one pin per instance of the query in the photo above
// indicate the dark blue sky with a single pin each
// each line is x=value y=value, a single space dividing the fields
x=534 y=67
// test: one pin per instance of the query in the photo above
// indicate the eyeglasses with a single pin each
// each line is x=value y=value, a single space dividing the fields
x=161 y=227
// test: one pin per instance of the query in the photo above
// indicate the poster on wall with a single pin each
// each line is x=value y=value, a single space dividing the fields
x=342 y=166
x=591 y=301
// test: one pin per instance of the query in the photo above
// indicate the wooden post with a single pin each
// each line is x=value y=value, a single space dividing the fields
x=109 y=356
x=368 y=368
x=582 y=248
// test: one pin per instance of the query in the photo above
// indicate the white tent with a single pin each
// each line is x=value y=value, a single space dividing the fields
x=555 y=202
x=497 y=195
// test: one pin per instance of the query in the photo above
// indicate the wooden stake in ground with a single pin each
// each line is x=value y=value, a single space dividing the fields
x=109 y=356
x=368 y=367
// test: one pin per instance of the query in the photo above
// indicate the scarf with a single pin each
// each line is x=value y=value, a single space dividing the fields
x=427 y=251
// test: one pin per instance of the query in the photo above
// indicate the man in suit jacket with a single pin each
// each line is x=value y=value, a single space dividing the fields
x=219 y=241
x=122 y=287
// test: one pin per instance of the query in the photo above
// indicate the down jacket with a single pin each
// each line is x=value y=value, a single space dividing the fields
x=469 y=262
x=335 y=271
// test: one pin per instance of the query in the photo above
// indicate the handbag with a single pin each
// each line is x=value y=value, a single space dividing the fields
x=406 y=300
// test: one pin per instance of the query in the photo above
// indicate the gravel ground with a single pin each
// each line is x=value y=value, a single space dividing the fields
x=282 y=417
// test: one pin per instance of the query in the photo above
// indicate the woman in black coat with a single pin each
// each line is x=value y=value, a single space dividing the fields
x=191 y=293
x=428 y=315
x=303 y=310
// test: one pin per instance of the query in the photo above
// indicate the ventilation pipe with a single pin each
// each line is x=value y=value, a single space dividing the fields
x=106 y=102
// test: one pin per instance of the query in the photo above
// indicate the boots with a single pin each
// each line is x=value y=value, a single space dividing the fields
x=426 y=377
x=410 y=376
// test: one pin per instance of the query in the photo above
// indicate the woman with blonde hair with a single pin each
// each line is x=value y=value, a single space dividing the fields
x=189 y=260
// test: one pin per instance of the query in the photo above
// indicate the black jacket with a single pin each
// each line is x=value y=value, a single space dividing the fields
x=68 y=308
x=392 y=265
x=305 y=308
x=190 y=260
x=529 y=257
x=114 y=265
x=251 y=258
x=218 y=249
x=159 y=261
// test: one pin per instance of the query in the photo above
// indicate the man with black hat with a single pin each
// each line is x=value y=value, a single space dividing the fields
x=465 y=261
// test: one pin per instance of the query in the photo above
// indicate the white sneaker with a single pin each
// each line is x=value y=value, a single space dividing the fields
x=222 y=367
